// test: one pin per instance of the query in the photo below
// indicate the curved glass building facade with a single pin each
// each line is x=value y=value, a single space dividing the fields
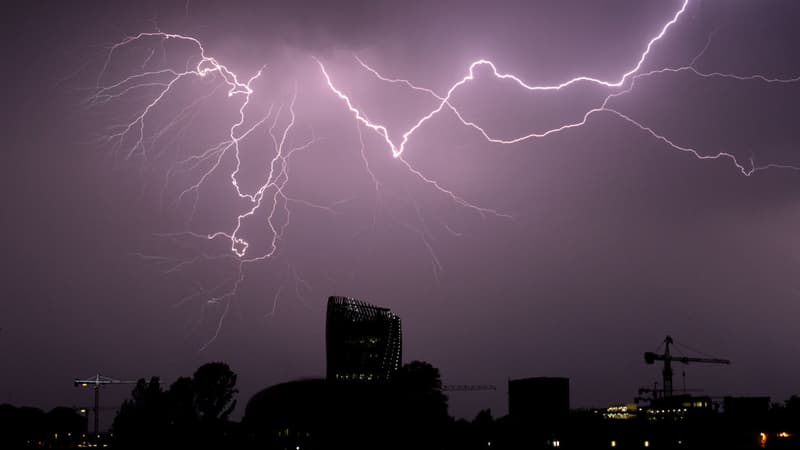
x=363 y=342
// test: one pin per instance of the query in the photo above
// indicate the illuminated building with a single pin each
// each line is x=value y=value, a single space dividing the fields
x=621 y=412
x=363 y=341
x=679 y=408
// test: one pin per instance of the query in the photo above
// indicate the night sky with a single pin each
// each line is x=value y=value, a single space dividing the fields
x=607 y=239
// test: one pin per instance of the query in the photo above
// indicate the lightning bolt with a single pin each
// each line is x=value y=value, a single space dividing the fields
x=142 y=136
x=137 y=138
x=629 y=77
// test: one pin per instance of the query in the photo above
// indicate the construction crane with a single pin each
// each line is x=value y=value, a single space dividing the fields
x=95 y=383
x=650 y=358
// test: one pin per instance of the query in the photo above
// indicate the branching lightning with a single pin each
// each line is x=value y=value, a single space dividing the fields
x=137 y=138
x=628 y=77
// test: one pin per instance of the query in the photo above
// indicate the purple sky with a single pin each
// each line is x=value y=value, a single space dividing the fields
x=615 y=238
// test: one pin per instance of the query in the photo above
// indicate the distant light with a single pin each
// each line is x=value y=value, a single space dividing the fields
x=646 y=444
x=613 y=443
x=784 y=434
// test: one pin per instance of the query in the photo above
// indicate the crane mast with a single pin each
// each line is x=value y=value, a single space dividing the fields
x=95 y=383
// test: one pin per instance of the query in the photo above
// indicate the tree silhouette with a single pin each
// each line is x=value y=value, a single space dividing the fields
x=65 y=420
x=142 y=418
x=421 y=414
x=193 y=411
x=19 y=425
x=182 y=415
x=421 y=386
x=214 y=389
